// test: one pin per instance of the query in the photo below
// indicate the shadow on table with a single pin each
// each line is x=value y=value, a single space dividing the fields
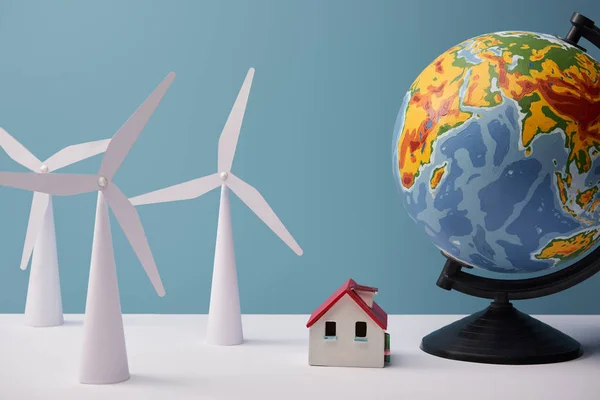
x=69 y=323
x=162 y=380
x=591 y=347
x=276 y=342
x=589 y=338
x=416 y=359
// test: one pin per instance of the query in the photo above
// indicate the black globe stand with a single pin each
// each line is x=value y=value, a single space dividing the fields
x=501 y=334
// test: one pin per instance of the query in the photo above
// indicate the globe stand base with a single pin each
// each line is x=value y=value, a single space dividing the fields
x=501 y=334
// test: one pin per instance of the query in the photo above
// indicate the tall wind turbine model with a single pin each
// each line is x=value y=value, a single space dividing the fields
x=224 y=316
x=44 y=303
x=104 y=357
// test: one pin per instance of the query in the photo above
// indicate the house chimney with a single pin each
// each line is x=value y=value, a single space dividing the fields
x=367 y=296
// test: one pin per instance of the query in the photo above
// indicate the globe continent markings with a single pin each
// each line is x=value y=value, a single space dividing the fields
x=496 y=148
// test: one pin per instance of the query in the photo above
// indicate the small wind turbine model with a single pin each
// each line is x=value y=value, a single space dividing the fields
x=43 y=306
x=104 y=356
x=224 y=316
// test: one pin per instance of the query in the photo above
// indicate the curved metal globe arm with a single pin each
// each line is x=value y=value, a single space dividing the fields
x=502 y=290
x=582 y=27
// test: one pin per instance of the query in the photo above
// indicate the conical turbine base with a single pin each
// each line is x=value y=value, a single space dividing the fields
x=104 y=356
x=43 y=307
x=224 y=316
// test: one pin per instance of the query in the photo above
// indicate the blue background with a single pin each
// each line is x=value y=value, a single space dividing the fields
x=316 y=140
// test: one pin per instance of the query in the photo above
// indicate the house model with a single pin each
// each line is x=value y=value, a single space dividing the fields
x=349 y=329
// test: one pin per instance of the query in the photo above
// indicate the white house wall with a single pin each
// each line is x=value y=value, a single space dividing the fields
x=345 y=351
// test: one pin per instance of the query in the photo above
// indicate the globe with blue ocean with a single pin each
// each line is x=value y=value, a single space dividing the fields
x=496 y=152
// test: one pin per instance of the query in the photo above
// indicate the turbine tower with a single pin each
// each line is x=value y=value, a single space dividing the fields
x=224 y=316
x=43 y=306
x=104 y=356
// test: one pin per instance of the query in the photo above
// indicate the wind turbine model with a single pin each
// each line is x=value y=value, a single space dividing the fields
x=43 y=306
x=104 y=357
x=224 y=316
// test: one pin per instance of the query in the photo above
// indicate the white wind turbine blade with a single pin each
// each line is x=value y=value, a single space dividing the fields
x=57 y=184
x=39 y=204
x=126 y=136
x=75 y=153
x=18 y=152
x=261 y=208
x=231 y=130
x=183 y=191
x=130 y=222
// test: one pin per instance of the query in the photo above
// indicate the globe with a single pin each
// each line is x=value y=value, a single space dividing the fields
x=496 y=152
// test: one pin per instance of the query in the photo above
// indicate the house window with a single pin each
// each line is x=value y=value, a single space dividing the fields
x=330 y=331
x=360 y=331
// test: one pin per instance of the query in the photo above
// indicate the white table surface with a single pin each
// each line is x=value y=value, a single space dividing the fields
x=168 y=360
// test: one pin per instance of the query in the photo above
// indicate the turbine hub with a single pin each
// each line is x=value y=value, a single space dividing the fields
x=102 y=182
x=223 y=176
x=44 y=168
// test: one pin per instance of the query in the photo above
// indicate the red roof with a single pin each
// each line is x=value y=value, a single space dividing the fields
x=350 y=287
